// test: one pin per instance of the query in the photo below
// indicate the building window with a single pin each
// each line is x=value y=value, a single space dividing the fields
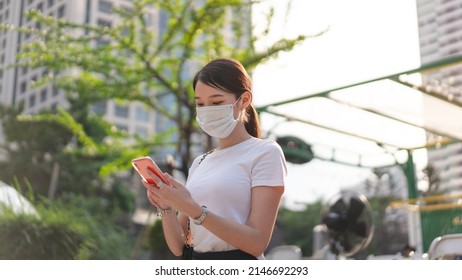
x=61 y=11
x=54 y=107
x=142 y=115
x=104 y=23
x=122 y=127
x=100 y=108
x=23 y=87
x=121 y=111
x=43 y=95
x=51 y=3
x=105 y=6
x=26 y=36
x=32 y=101
x=102 y=42
x=55 y=91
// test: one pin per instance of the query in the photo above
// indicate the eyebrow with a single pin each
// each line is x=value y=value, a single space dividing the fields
x=212 y=96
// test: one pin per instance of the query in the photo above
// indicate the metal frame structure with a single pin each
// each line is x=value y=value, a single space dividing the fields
x=442 y=136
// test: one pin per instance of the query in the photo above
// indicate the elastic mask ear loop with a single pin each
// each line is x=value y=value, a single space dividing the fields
x=237 y=100
x=240 y=111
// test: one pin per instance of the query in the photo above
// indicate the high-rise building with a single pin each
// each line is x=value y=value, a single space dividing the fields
x=17 y=84
x=440 y=34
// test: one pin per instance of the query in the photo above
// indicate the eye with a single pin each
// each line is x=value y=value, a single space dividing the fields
x=199 y=104
x=217 y=103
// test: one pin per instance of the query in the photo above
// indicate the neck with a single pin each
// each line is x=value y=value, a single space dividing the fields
x=238 y=135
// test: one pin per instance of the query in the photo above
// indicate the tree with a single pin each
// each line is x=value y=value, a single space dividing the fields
x=297 y=226
x=129 y=59
x=29 y=148
x=32 y=150
x=432 y=177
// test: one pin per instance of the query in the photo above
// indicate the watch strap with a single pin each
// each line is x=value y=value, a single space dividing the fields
x=199 y=220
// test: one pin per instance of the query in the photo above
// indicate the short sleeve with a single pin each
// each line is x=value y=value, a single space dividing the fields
x=269 y=168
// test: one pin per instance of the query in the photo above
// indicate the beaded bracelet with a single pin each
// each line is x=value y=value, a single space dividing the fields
x=161 y=212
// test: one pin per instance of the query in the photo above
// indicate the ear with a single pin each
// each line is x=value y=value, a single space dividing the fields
x=246 y=99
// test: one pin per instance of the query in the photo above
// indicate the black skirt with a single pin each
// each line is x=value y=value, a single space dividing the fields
x=224 y=255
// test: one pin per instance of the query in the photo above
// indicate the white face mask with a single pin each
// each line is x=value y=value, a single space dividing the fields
x=217 y=121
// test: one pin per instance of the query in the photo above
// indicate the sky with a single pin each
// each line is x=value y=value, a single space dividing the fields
x=363 y=39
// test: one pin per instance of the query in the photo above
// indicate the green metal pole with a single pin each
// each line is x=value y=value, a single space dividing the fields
x=409 y=170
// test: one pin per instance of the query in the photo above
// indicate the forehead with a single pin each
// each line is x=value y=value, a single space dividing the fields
x=203 y=91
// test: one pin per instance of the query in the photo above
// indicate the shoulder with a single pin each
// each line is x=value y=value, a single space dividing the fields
x=268 y=155
x=269 y=146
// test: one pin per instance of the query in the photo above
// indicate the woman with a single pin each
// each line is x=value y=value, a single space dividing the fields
x=233 y=192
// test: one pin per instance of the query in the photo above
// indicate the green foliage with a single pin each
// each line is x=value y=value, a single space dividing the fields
x=108 y=226
x=72 y=227
x=34 y=144
x=52 y=235
x=156 y=244
x=297 y=226
x=28 y=148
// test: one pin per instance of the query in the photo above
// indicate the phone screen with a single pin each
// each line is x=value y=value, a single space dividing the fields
x=143 y=164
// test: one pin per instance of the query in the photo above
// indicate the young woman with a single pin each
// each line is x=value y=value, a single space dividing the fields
x=232 y=195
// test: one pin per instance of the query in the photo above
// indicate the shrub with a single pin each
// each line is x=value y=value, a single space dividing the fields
x=47 y=237
x=74 y=227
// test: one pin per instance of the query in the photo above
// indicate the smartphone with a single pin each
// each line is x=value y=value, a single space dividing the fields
x=143 y=164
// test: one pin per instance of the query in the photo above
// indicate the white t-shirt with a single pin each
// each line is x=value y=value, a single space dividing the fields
x=223 y=182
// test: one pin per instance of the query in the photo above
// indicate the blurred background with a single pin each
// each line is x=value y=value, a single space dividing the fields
x=364 y=98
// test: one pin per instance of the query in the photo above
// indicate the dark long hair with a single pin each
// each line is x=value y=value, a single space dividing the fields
x=230 y=76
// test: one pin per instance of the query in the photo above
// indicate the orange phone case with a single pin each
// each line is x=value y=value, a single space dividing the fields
x=143 y=164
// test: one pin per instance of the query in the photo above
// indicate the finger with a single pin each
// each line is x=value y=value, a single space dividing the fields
x=155 y=201
x=153 y=175
x=156 y=179
x=161 y=185
x=155 y=198
x=151 y=198
x=148 y=185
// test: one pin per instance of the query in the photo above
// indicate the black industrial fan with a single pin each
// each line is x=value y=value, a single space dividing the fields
x=349 y=223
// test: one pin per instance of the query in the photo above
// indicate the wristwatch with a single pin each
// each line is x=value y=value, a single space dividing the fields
x=198 y=221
